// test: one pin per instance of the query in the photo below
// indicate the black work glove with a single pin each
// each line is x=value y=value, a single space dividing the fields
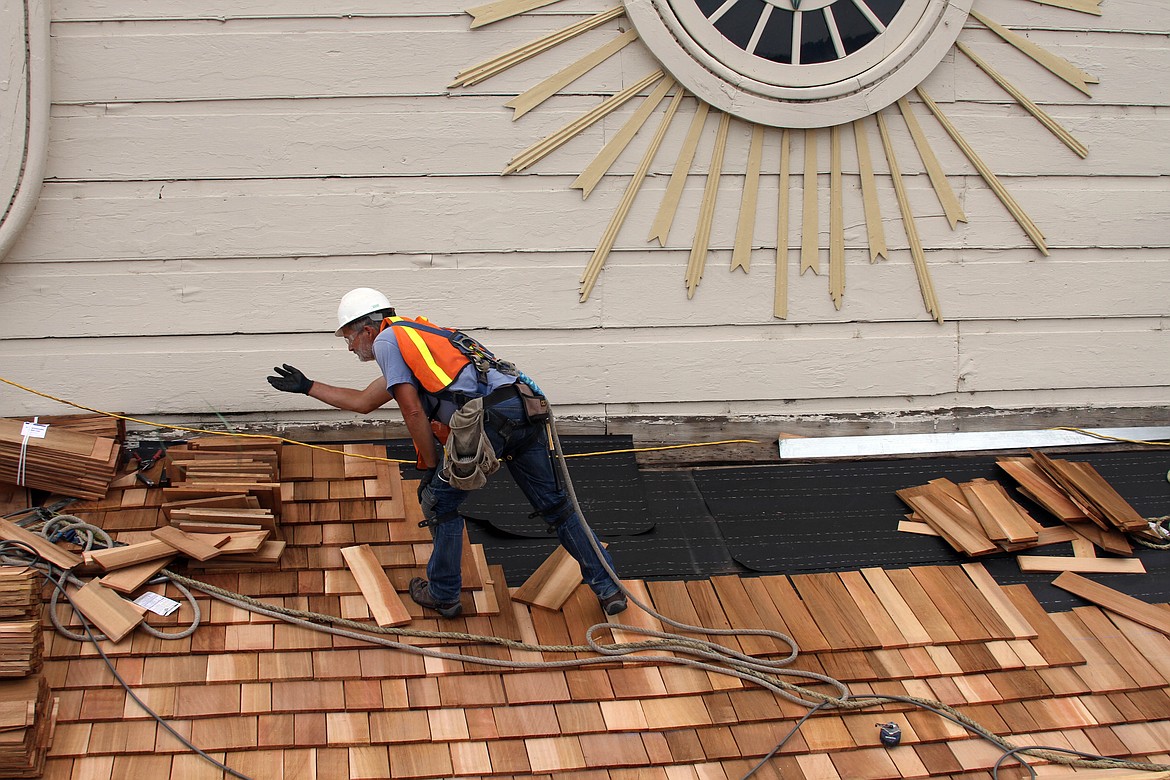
x=290 y=380
x=424 y=480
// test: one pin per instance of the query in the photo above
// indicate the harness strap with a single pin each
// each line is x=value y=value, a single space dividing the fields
x=439 y=520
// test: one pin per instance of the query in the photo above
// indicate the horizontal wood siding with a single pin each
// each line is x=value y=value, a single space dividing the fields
x=220 y=173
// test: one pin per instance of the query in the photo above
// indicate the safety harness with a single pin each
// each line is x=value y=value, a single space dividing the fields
x=437 y=356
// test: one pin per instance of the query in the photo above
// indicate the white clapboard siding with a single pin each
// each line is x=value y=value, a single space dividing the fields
x=1123 y=62
x=192 y=298
x=262 y=58
x=205 y=374
x=363 y=137
x=284 y=218
x=219 y=173
x=1016 y=356
x=187 y=9
x=296 y=58
x=996 y=286
x=115 y=298
x=1133 y=15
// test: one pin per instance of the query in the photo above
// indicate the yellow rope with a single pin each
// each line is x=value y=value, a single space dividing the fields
x=664 y=447
x=283 y=440
x=151 y=423
x=1107 y=437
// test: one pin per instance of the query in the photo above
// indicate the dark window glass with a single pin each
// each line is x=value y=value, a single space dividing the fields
x=738 y=24
x=855 y=29
x=883 y=9
x=815 y=43
x=776 y=42
x=708 y=7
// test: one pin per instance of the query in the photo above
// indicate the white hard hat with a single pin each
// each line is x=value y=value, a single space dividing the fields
x=356 y=304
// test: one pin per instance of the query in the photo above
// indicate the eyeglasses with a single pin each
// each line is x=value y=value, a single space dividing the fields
x=352 y=337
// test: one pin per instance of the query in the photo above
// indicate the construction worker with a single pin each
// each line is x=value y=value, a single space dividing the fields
x=435 y=374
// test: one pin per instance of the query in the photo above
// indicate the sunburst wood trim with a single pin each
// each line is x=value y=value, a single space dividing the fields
x=741 y=255
x=1057 y=65
x=1038 y=113
x=546 y=146
x=780 y=294
x=600 y=165
x=988 y=176
x=938 y=178
x=1084 y=6
x=503 y=9
x=660 y=229
x=701 y=245
x=534 y=96
x=810 y=236
x=925 y=286
x=501 y=62
x=836 y=220
x=597 y=261
x=875 y=230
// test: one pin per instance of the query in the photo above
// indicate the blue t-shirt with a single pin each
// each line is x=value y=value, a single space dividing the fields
x=396 y=372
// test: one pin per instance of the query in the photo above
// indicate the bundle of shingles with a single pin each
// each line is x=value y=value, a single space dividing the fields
x=222 y=487
x=27 y=717
x=20 y=592
x=57 y=459
x=21 y=647
x=980 y=517
x=976 y=518
x=1078 y=495
x=26 y=709
x=21 y=640
x=94 y=424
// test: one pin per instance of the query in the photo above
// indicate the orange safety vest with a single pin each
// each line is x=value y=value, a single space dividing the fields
x=428 y=352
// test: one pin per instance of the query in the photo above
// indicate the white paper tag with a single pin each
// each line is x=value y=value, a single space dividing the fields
x=159 y=605
x=32 y=430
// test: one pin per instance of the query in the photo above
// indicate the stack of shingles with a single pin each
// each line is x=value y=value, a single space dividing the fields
x=136 y=502
x=975 y=518
x=27 y=713
x=94 y=424
x=21 y=640
x=227 y=486
x=1077 y=495
x=27 y=717
x=980 y=517
x=65 y=462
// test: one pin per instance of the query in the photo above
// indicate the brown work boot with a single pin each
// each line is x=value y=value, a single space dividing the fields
x=614 y=604
x=420 y=592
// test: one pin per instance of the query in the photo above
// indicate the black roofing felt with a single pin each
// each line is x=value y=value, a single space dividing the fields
x=788 y=518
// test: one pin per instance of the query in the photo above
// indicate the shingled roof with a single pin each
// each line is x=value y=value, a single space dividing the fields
x=277 y=700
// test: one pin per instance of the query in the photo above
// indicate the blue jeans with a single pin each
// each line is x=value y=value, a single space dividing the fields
x=523 y=448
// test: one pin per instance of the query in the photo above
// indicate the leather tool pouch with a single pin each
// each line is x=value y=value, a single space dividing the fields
x=468 y=458
x=535 y=406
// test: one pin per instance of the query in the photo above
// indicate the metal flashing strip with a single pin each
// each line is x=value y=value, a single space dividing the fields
x=920 y=443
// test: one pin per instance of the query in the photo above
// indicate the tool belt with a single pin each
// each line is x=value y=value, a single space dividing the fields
x=468 y=458
x=535 y=406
